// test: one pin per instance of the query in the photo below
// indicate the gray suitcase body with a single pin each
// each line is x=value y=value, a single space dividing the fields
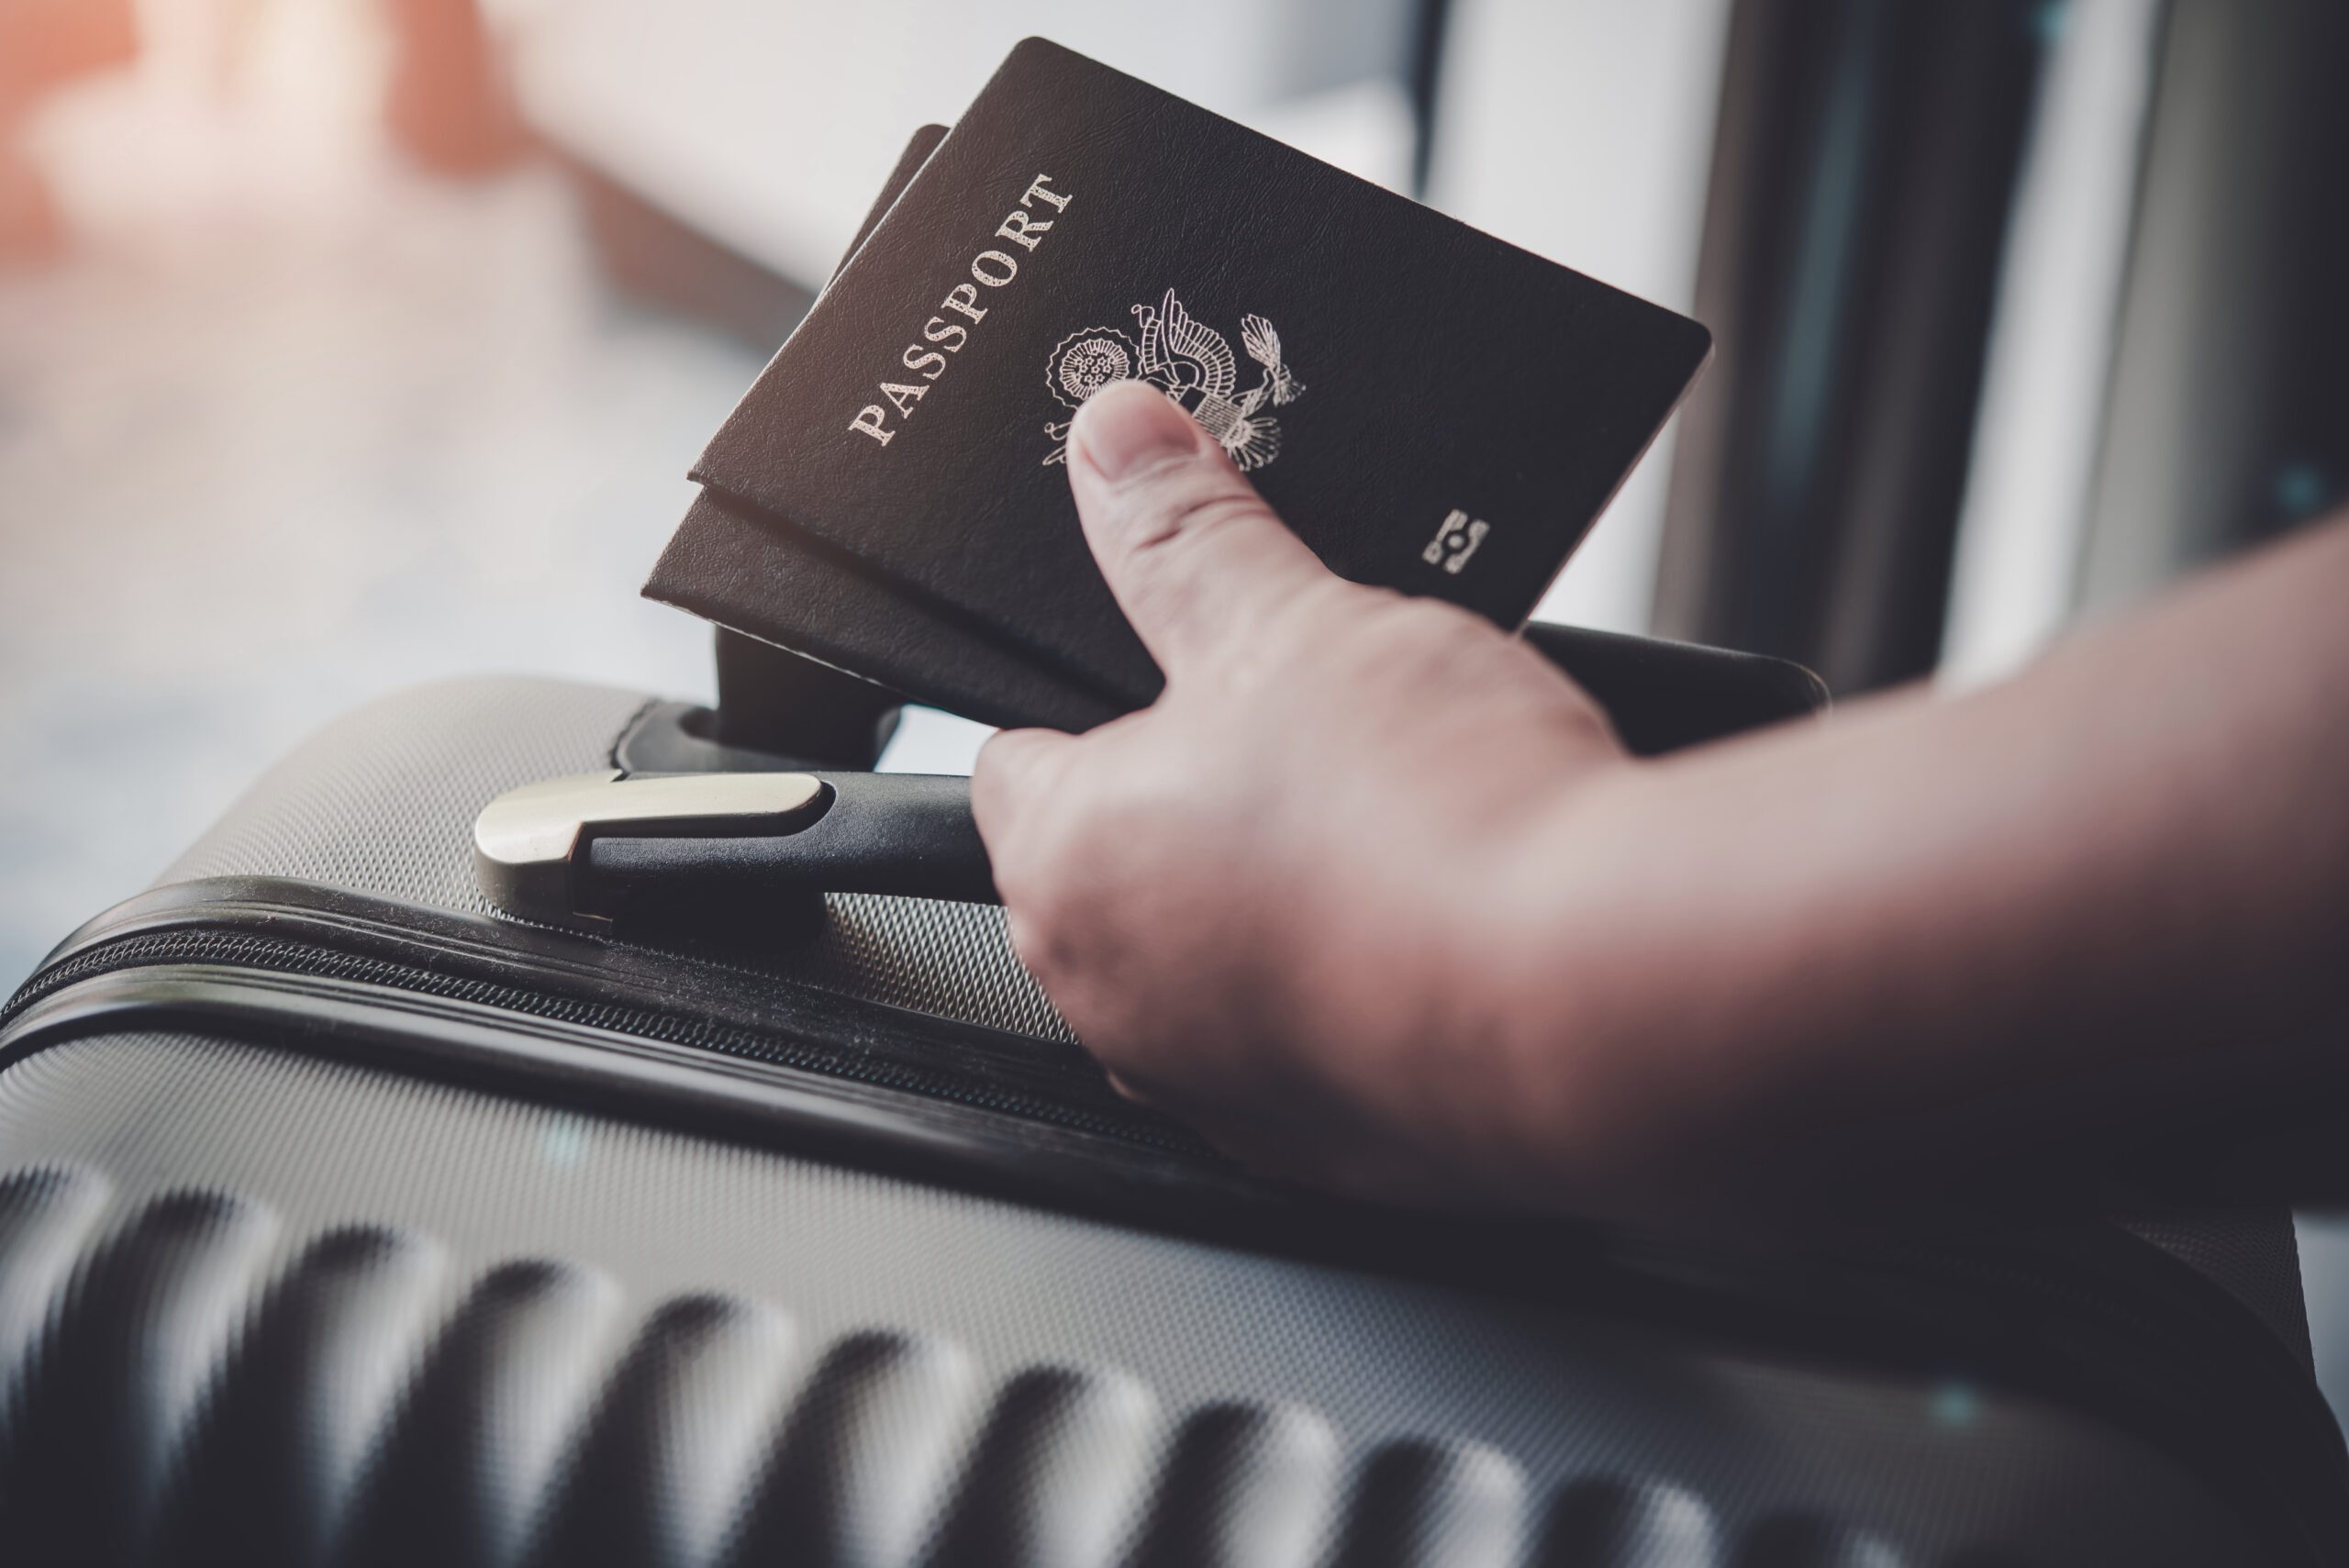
x=342 y=1221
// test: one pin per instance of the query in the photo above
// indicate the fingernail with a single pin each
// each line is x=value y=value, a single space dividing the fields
x=1125 y=427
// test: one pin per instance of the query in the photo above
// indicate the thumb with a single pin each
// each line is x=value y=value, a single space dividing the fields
x=1195 y=557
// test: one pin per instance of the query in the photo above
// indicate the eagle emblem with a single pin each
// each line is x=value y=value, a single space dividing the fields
x=1190 y=363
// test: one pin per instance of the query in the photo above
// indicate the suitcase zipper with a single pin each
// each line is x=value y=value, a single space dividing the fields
x=278 y=955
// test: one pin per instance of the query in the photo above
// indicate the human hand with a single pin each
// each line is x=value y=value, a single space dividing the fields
x=1294 y=902
x=1372 y=897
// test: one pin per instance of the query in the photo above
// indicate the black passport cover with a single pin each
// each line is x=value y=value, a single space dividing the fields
x=768 y=579
x=1428 y=407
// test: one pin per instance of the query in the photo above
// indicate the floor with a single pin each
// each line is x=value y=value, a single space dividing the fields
x=292 y=425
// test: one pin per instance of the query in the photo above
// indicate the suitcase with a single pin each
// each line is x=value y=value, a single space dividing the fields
x=344 y=1219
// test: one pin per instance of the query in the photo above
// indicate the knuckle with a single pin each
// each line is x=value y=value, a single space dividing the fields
x=991 y=797
x=1067 y=850
x=1397 y=638
x=1189 y=513
x=1314 y=619
x=1433 y=624
x=1039 y=947
x=1166 y=564
x=1036 y=870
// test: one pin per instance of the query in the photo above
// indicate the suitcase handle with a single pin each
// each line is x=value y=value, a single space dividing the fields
x=718 y=849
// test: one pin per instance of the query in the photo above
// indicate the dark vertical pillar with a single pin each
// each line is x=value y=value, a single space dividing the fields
x=2229 y=416
x=1865 y=172
x=771 y=699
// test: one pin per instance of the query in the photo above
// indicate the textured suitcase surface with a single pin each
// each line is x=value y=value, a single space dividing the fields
x=340 y=1221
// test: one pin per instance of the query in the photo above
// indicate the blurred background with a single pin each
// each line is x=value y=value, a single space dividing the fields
x=347 y=343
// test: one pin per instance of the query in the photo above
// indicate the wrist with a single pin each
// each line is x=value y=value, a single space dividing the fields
x=1549 y=944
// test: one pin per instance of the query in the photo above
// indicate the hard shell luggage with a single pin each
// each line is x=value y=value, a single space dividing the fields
x=346 y=1219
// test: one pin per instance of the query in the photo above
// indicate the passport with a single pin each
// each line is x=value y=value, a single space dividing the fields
x=768 y=579
x=1428 y=407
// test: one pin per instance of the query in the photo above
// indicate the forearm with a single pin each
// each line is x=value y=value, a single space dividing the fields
x=1374 y=899
x=2130 y=863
